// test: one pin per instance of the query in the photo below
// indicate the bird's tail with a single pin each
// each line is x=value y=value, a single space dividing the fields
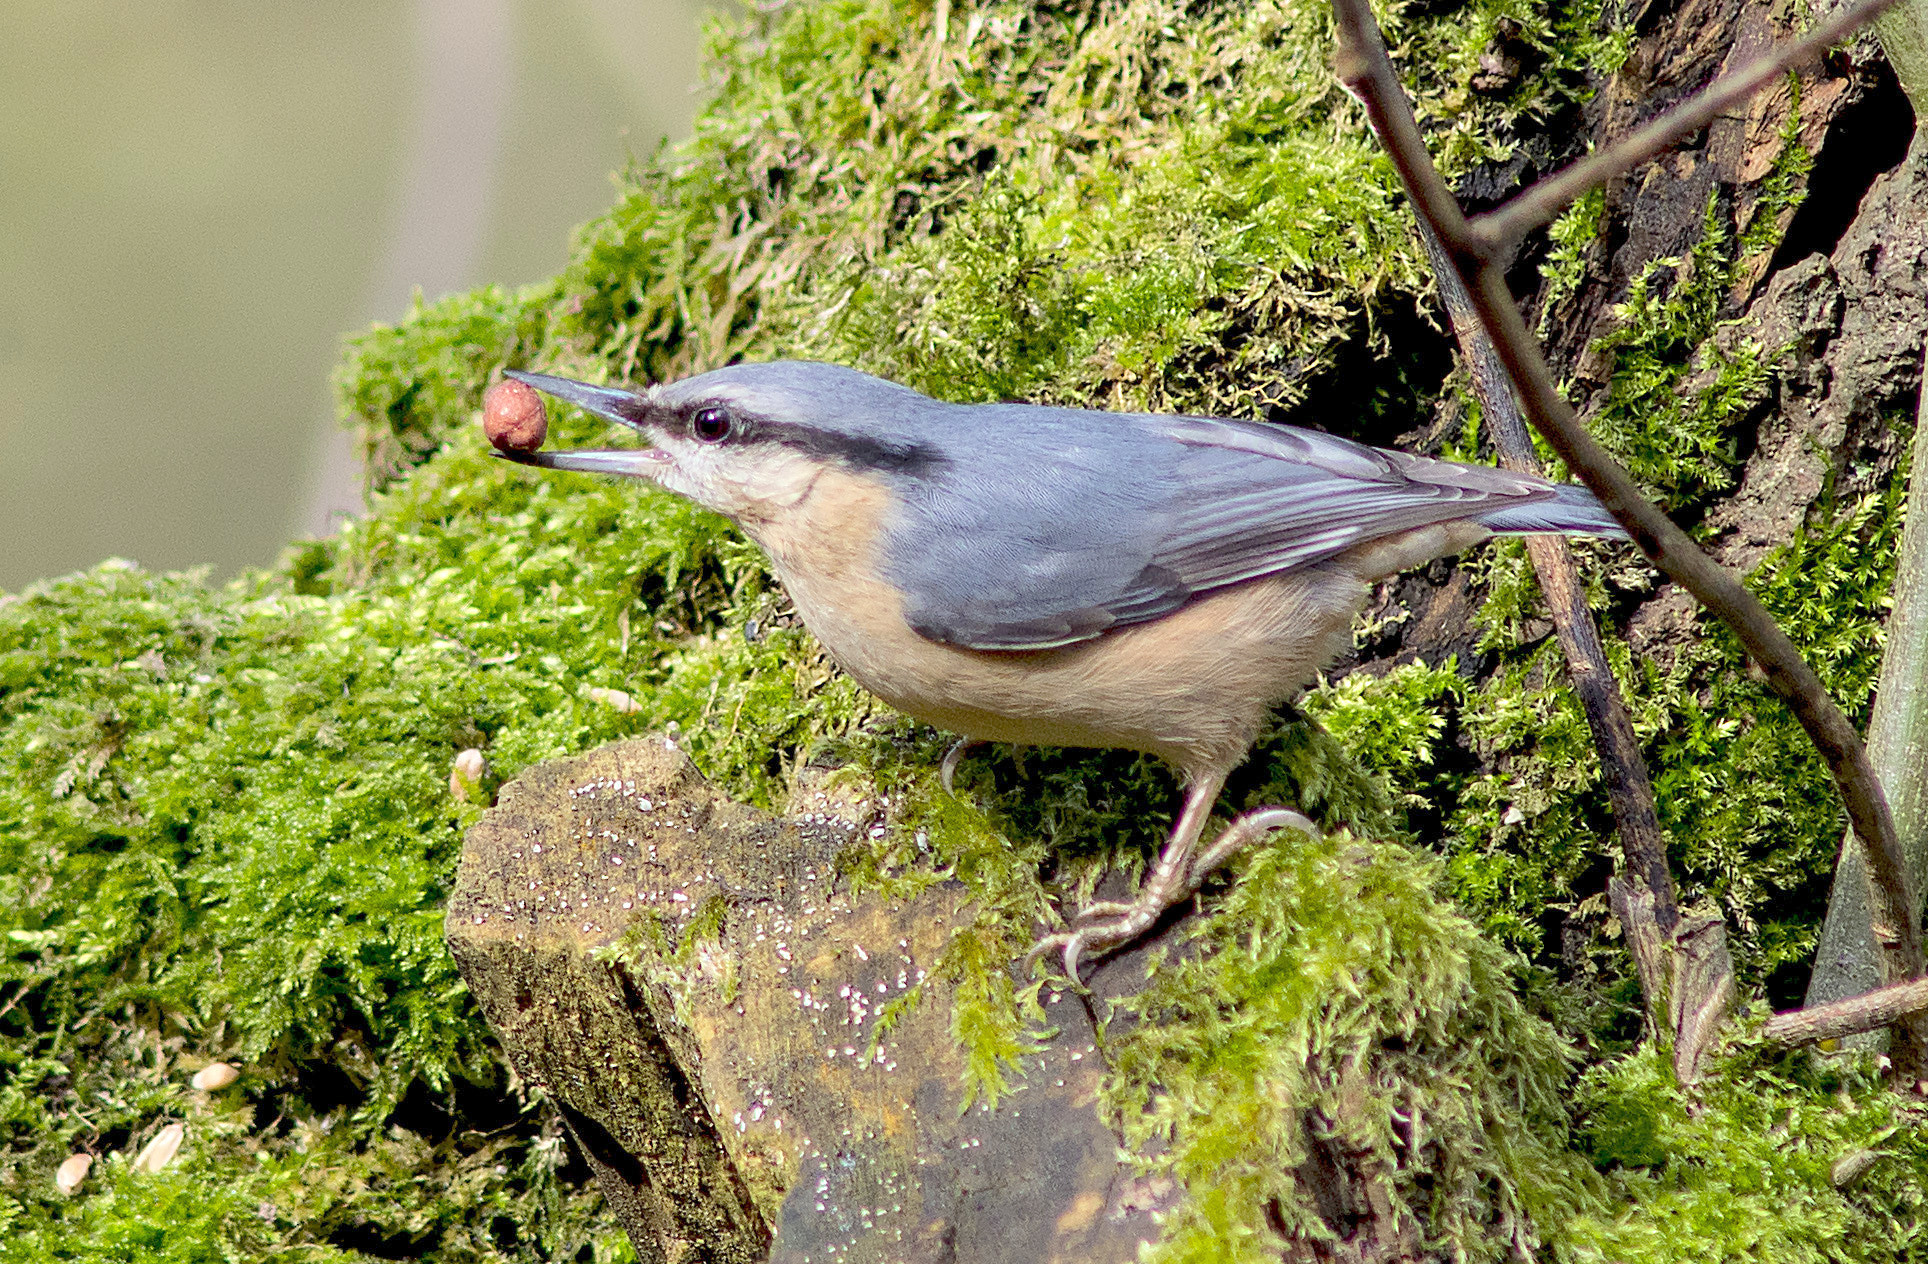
x=1571 y=510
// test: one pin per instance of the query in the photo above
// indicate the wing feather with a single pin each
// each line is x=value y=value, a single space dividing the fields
x=1100 y=520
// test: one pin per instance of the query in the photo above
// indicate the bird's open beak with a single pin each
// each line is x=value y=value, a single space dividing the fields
x=625 y=408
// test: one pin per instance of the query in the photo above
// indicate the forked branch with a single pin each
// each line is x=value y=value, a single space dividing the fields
x=1365 y=69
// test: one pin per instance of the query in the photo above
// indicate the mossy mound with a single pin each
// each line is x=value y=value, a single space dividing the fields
x=227 y=818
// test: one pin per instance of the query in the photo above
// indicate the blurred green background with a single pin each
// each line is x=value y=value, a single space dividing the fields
x=198 y=198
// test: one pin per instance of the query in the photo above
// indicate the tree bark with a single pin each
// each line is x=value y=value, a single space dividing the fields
x=1894 y=226
x=1844 y=292
x=1904 y=38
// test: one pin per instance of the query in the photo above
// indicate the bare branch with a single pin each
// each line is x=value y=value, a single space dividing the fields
x=1879 y=1008
x=1366 y=71
x=1628 y=787
x=1492 y=235
x=1363 y=69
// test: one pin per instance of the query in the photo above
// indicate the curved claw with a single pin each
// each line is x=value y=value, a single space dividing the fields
x=1074 y=943
x=1074 y=948
x=1039 y=949
x=952 y=757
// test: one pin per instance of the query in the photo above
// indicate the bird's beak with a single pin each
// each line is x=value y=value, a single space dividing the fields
x=631 y=462
x=625 y=408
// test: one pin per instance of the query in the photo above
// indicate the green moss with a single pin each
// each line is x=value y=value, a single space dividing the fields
x=1570 y=240
x=1345 y=1015
x=225 y=823
x=1679 y=443
x=1781 y=1156
x=1391 y=724
x=227 y=834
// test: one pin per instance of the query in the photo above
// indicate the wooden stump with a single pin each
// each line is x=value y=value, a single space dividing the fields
x=755 y=1063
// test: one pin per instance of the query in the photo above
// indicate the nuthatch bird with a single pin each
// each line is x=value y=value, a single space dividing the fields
x=1059 y=576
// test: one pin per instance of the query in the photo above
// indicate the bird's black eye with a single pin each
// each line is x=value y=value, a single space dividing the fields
x=711 y=424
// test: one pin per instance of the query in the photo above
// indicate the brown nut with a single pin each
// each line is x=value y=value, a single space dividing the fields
x=513 y=417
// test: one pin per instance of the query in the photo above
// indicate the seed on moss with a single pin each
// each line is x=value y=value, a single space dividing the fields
x=215 y=1076
x=465 y=777
x=615 y=698
x=160 y=1152
x=72 y=1172
x=513 y=417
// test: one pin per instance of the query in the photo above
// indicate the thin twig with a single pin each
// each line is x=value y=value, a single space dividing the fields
x=1872 y=1010
x=26 y=985
x=1629 y=788
x=1493 y=235
x=1365 y=70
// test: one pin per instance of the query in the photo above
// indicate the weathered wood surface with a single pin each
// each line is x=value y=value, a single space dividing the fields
x=691 y=983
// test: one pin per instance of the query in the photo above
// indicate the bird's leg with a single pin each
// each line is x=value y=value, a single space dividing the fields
x=1174 y=866
x=1168 y=883
x=953 y=757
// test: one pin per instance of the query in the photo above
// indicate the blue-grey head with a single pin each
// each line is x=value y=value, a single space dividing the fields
x=747 y=440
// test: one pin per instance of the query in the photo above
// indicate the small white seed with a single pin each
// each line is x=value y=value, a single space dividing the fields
x=615 y=698
x=215 y=1076
x=465 y=776
x=160 y=1152
x=72 y=1171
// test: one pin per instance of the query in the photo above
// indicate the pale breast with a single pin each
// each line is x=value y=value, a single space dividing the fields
x=1194 y=686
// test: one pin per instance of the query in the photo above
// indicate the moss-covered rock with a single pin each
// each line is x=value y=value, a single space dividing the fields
x=225 y=817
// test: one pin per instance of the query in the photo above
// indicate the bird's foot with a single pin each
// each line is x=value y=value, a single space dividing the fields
x=1100 y=927
x=1100 y=937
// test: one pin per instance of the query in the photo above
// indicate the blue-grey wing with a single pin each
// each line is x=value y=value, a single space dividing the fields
x=1086 y=530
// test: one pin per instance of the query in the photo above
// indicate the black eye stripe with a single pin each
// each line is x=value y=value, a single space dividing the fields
x=717 y=423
